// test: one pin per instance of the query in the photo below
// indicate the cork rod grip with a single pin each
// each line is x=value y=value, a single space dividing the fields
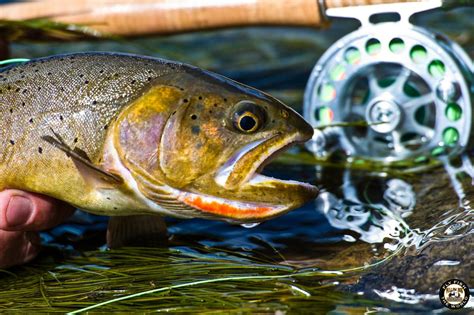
x=141 y=17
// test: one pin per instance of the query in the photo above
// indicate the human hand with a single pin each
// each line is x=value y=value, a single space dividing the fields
x=22 y=216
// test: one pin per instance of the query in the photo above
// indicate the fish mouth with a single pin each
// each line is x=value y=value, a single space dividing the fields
x=244 y=167
x=240 y=176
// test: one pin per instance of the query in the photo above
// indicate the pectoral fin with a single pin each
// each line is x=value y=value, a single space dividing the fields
x=82 y=161
x=140 y=230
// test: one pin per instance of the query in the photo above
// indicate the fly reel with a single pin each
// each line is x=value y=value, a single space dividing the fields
x=412 y=88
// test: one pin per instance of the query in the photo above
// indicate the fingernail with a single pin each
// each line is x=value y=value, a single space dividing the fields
x=18 y=211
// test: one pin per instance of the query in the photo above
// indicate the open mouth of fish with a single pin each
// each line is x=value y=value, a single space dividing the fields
x=244 y=167
x=242 y=172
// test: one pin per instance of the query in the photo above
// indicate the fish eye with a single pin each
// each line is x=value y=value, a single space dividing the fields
x=248 y=117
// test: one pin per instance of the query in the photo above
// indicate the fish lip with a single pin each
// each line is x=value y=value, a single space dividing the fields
x=277 y=145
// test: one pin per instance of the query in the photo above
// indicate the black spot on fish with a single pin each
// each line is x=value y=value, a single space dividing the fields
x=225 y=100
x=94 y=102
x=81 y=75
x=133 y=82
x=200 y=97
x=195 y=130
x=17 y=90
x=23 y=104
x=105 y=127
x=31 y=120
x=215 y=105
x=185 y=100
x=86 y=82
x=61 y=118
x=24 y=91
x=194 y=116
x=49 y=73
x=149 y=78
x=75 y=140
x=40 y=150
x=12 y=142
x=11 y=110
x=115 y=208
x=39 y=88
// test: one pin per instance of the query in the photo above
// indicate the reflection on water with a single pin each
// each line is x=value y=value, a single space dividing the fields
x=379 y=218
x=374 y=222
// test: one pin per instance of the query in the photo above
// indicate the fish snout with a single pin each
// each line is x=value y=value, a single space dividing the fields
x=304 y=131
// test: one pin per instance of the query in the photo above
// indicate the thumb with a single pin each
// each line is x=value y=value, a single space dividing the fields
x=24 y=211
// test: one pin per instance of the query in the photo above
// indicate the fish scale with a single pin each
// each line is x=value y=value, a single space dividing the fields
x=105 y=132
x=70 y=99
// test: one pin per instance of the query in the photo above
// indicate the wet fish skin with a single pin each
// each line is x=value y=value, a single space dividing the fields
x=164 y=129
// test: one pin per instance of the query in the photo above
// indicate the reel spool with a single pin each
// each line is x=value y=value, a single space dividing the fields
x=414 y=88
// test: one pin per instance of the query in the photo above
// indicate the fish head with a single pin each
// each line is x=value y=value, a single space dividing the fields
x=212 y=145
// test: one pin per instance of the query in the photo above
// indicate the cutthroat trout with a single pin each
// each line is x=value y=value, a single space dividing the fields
x=123 y=135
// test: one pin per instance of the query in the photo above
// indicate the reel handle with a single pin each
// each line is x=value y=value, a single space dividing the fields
x=142 y=17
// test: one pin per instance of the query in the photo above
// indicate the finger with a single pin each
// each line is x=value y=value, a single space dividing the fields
x=24 y=211
x=18 y=247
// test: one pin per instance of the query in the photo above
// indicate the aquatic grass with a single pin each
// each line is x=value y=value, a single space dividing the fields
x=167 y=279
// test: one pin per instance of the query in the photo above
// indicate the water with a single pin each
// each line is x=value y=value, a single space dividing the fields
x=373 y=242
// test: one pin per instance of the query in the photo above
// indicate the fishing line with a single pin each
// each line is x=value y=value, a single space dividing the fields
x=13 y=60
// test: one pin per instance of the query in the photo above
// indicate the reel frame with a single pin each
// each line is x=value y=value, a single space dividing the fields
x=418 y=90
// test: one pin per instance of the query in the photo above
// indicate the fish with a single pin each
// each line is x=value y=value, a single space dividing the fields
x=127 y=135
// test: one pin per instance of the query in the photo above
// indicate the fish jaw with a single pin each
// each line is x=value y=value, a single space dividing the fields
x=248 y=160
x=230 y=210
x=293 y=194
x=254 y=197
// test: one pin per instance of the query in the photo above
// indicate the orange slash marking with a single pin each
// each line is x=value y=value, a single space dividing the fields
x=226 y=209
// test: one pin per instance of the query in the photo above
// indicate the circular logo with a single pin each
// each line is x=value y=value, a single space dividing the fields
x=454 y=294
